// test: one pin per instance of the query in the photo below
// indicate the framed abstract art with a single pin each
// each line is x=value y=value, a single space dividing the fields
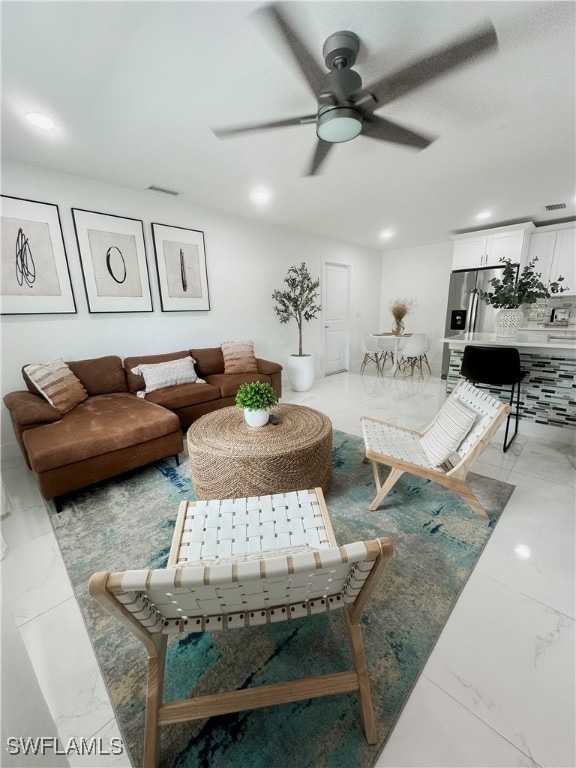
x=34 y=274
x=113 y=258
x=181 y=265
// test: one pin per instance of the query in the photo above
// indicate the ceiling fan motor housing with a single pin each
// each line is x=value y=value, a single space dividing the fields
x=340 y=50
x=343 y=82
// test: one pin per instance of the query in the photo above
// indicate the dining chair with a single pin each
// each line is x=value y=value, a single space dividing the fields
x=444 y=452
x=386 y=345
x=414 y=355
x=205 y=589
x=371 y=350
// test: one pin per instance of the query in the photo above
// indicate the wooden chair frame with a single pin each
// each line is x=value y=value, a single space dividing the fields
x=107 y=588
x=454 y=479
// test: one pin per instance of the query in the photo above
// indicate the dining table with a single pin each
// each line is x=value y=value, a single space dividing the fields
x=397 y=339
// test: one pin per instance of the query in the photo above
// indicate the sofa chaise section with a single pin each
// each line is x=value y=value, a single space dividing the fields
x=111 y=432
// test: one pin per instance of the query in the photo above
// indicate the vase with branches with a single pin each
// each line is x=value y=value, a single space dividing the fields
x=511 y=291
x=400 y=308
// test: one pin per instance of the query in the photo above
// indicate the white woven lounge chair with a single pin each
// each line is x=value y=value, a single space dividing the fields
x=403 y=449
x=241 y=591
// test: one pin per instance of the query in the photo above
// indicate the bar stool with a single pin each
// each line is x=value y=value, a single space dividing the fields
x=495 y=367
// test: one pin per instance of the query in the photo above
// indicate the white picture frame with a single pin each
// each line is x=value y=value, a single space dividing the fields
x=113 y=259
x=181 y=266
x=34 y=273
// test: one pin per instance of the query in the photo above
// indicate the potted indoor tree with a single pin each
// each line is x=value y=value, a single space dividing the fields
x=256 y=398
x=299 y=302
x=511 y=291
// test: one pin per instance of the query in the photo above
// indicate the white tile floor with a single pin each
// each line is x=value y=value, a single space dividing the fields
x=499 y=687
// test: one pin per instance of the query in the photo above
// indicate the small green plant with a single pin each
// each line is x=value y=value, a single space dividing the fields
x=510 y=292
x=256 y=396
x=298 y=301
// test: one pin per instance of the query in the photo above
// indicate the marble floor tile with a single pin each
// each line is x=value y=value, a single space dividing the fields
x=61 y=653
x=37 y=577
x=534 y=559
x=540 y=500
x=548 y=460
x=510 y=661
x=435 y=731
x=106 y=750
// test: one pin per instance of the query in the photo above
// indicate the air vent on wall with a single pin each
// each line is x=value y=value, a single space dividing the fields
x=555 y=207
x=163 y=190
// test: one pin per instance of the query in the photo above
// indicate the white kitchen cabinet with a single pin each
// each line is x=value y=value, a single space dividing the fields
x=488 y=247
x=555 y=249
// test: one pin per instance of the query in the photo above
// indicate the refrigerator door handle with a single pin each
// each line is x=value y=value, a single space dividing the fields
x=472 y=311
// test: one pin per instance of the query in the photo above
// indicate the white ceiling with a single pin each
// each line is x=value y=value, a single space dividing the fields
x=135 y=88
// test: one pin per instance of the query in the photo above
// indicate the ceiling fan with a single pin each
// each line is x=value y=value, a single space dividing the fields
x=346 y=109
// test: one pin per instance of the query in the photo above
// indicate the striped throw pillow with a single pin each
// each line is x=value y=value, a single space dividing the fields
x=56 y=382
x=451 y=426
x=239 y=357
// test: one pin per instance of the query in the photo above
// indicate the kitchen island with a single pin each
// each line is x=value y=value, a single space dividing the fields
x=548 y=391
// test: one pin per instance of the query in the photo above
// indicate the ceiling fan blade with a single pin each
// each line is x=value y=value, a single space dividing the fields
x=322 y=149
x=385 y=130
x=225 y=133
x=313 y=73
x=436 y=64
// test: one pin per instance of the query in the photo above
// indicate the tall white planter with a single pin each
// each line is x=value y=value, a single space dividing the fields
x=300 y=372
x=508 y=321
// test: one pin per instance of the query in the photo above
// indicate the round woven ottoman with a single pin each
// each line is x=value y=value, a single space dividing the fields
x=229 y=459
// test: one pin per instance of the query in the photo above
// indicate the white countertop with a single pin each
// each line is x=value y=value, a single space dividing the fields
x=535 y=340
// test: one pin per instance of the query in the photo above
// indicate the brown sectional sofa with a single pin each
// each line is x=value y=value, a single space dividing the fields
x=114 y=430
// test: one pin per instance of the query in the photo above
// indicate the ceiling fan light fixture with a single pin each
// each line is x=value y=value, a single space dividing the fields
x=338 y=124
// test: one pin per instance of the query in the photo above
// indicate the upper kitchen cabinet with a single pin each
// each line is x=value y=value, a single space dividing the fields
x=487 y=248
x=555 y=249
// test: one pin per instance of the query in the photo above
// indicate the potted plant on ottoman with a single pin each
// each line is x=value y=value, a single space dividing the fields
x=510 y=292
x=298 y=302
x=256 y=397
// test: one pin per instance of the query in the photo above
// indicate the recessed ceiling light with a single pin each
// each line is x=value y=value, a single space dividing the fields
x=40 y=121
x=261 y=196
x=483 y=215
x=386 y=234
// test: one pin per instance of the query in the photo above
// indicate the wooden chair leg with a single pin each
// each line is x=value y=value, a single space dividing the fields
x=384 y=489
x=364 y=695
x=154 y=693
x=465 y=492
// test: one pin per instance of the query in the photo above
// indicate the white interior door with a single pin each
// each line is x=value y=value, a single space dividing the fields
x=336 y=316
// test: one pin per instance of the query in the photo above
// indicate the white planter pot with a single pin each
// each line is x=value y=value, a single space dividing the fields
x=300 y=372
x=256 y=418
x=508 y=321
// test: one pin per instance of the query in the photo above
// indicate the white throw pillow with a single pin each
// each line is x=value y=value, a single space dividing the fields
x=446 y=434
x=169 y=374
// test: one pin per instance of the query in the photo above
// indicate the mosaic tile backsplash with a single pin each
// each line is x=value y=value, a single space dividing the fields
x=540 y=311
x=547 y=394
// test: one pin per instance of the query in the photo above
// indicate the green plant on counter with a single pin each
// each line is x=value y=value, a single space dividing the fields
x=298 y=301
x=256 y=396
x=511 y=291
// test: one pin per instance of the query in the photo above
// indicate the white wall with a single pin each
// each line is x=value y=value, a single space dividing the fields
x=423 y=274
x=246 y=260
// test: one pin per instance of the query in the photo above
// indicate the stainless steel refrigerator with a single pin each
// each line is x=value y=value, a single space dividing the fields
x=466 y=312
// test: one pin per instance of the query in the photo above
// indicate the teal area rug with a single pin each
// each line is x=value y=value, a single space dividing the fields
x=128 y=523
